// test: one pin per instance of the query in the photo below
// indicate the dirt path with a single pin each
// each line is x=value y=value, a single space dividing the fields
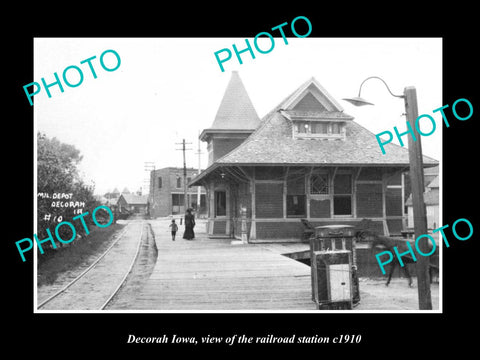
x=397 y=296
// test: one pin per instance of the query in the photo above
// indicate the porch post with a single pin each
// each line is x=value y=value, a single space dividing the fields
x=253 y=227
x=228 y=209
x=307 y=191
x=244 y=225
x=211 y=208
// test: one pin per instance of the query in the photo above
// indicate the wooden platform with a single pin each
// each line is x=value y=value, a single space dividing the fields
x=212 y=274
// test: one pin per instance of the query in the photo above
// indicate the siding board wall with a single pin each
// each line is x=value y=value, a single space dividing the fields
x=369 y=200
x=269 y=200
x=320 y=208
x=265 y=198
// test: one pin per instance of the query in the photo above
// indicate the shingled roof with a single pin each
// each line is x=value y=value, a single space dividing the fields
x=133 y=199
x=236 y=111
x=272 y=142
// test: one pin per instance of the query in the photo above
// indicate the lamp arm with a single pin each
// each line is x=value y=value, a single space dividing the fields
x=376 y=77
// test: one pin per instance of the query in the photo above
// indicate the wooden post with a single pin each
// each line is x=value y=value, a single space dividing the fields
x=185 y=200
x=228 y=212
x=244 y=224
x=253 y=225
x=419 y=211
x=211 y=215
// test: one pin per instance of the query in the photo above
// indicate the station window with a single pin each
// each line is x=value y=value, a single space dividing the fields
x=296 y=202
x=220 y=203
x=319 y=128
x=336 y=128
x=319 y=184
x=302 y=127
x=342 y=194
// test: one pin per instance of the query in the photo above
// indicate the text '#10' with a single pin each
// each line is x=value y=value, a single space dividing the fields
x=50 y=239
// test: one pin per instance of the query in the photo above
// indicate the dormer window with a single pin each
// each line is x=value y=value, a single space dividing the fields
x=336 y=127
x=318 y=129
x=314 y=114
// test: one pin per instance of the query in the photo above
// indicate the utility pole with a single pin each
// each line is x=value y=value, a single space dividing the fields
x=185 y=200
x=419 y=211
x=415 y=158
x=199 y=153
x=149 y=166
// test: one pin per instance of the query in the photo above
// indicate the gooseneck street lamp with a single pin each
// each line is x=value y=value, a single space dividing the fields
x=358 y=101
x=416 y=179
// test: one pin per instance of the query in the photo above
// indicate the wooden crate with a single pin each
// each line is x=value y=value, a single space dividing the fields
x=332 y=238
x=332 y=286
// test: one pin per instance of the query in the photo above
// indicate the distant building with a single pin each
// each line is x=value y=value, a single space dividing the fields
x=110 y=199
x=132 y=203
x=431 y=198
x=167 y=192
x=113 y=194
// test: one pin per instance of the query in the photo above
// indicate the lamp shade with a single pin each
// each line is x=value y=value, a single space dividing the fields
x=358 y=101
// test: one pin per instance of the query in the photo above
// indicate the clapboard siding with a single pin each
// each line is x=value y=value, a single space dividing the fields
x=269 y=200
x=279 y=230
x=369 y=200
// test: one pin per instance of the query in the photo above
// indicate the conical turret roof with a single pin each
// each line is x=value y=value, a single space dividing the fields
x=236 y=111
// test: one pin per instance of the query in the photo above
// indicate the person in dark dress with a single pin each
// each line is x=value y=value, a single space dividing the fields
x=189 y=225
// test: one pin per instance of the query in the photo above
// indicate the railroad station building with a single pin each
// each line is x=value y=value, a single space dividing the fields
x=305 y=159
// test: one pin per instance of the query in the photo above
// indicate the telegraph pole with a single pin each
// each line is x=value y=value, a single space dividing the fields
x=419 y=211
x=199 y=152
x=415 y=158
x=149 y=166
x=185 y=200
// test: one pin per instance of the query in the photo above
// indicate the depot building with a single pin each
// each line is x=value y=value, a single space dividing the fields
x=305 y=159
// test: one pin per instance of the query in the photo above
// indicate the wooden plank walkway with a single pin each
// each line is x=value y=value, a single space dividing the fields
x=212 y=274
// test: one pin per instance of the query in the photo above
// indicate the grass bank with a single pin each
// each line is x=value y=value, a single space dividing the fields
x=56 y=261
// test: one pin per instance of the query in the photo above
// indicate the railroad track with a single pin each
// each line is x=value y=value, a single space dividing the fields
x=98 y=284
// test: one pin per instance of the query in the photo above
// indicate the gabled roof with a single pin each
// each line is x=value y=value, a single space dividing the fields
x=236 y=111
x=429 y=198
x=432 y=171
x=134 y=199
x=112 y=201
x=272 y=142
x=435 y=183
x=312 y=88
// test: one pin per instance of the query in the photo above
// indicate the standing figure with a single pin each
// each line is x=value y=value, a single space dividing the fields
x=173 y=227
x=189 y=225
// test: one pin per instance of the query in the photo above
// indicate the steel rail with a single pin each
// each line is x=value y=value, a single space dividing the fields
x=128 y=272
x=44 y=302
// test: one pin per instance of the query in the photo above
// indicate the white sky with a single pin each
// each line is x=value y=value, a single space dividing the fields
x=167 y=89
